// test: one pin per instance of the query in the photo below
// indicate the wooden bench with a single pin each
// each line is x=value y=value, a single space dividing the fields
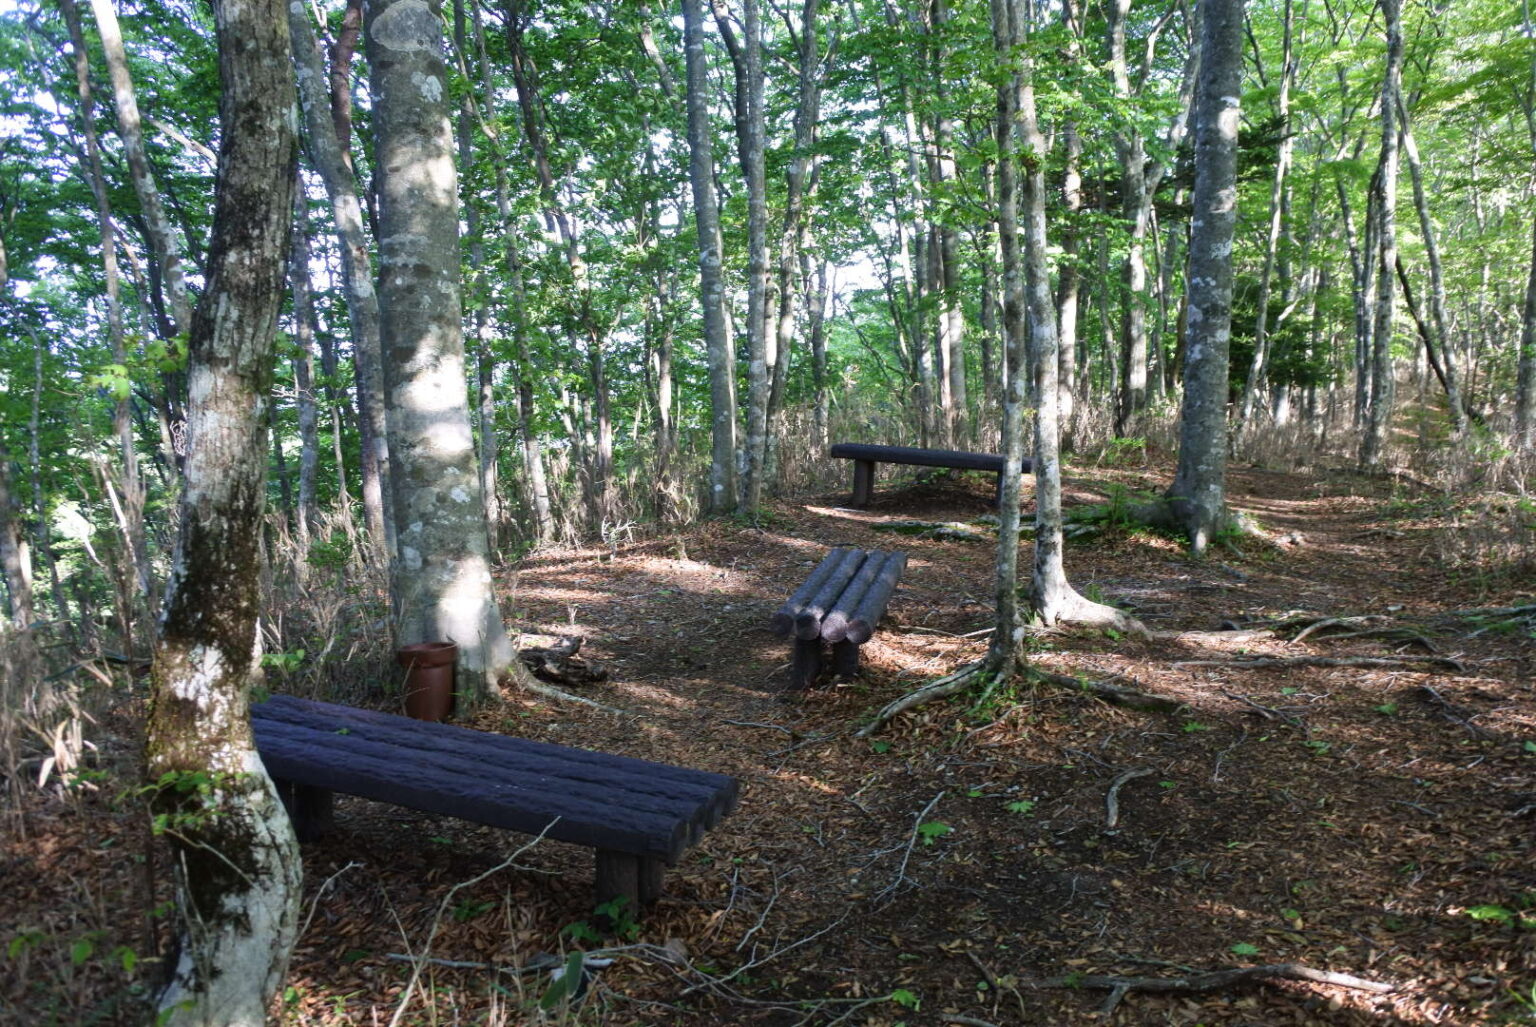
x=639 y=816
x=841 y=602
x=865 y=457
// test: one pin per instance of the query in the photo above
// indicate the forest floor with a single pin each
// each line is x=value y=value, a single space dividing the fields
x=1374 y=818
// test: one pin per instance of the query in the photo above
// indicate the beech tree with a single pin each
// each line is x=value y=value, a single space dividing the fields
x=440 y=579
x=236 y=861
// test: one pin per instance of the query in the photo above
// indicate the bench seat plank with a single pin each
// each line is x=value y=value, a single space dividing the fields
x=603 y=801
x=865 y=456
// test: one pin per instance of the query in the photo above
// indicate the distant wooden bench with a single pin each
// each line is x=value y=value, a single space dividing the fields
x=841 y=602
x=639 y=816
x=865 y=457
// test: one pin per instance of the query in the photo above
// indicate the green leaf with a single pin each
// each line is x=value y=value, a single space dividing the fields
x=81 y=950
x=933 y=829
x=1491 y=912
x=904 y=998
x=879 y=746
x=1242 y=948
x=1387 y=708
x=1021 y=806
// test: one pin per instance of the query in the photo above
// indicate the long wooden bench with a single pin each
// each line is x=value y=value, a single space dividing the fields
x=866 y=457
x=841 y=602
x=639 y=816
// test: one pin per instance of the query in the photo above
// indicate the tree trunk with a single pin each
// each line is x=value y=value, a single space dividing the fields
x=1525 y=382
x=1198 y=497
x=167 y=250
x=122 y=420
x=304 y=373
x=328 y=158
x=236 y=860
x=1378 y=422
x=717 y=340
x=441 y=577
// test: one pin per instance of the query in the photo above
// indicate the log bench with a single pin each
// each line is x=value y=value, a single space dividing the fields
x=840 y=602
x=639 y=816
x=865 y=457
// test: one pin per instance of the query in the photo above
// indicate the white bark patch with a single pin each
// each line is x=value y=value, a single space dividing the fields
x=430 y=85
x=458 y=495
x=461 y=609
x=409 y=26
x=204 y=669
x=410 y=558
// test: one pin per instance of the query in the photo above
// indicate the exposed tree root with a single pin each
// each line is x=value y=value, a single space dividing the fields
x=1215 y=980
x=1328 y=661
x=940 y=688
x=1112 y=798
x=1072 y=610
x=1110 y=693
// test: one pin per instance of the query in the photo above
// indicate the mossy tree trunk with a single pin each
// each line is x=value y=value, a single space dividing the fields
x=235 y=858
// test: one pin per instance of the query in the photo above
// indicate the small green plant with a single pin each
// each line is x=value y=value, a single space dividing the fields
x=1168 y=785
x=879 y=746
x=567 y=982
x=1386 y=709
x=1243 y=948
x=468 y=909
x=932 y=830
x=581 y=931
x=1318 y=746
x=616 y=913
x=285 y=662
x=1024 y=806
x=1193 y=726
x=905 y=998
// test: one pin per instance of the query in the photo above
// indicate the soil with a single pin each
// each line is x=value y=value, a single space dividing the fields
x=1377 y=820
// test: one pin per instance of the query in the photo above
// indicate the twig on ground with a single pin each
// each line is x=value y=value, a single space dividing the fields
x=1450 y=711
x=1327 y=661
x=1213 y=980
x=906 y=856
x=1112 y=799
x=551 y=692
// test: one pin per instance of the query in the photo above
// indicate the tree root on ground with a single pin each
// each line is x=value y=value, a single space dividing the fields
x=1214 y=980
x=1329 y=661
x=972 y=673
x=1076 y=611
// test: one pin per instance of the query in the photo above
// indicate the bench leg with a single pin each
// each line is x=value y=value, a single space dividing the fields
x=845 y=658
x=863 y=482
x=308 y=807
x=625 y=875
x=804 y=663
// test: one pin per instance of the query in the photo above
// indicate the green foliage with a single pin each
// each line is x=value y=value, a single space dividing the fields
x=932 y=830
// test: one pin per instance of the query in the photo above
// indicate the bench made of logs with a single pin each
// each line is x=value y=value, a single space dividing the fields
x=865 y=457
x=841 y=602
x=639 y=816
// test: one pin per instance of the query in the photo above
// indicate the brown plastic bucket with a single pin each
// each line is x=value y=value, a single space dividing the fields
x=428 y=678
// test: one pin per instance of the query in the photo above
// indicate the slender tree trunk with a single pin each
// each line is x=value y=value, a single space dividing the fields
x=1258 y=369
x=1383 y=386
x=1450 y=377
x=1525 y=383
x=236 y=861
x=167 y=249
x=1198 y=495
x=441 y=576
x=1068 y=278
x=122 y=420
x=13 y=558
x=327 y=156
x=717 y=340
x=304 y=322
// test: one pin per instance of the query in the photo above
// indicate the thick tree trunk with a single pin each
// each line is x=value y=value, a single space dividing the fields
x=236 y=860
x=441 y=577
x=1198 y=497
x=717 y=339
x=327 y=156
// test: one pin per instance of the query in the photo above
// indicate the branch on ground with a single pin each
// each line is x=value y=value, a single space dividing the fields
x=1214 y=980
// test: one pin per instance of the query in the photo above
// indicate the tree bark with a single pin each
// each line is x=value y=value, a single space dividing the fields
x=304 y=322
x=717 y=340
x=166 y=248
x=328 y=158
x=1525 y=381
x=1197 y=497
x=1378 y=420
x=441 y=577
x=236 y=859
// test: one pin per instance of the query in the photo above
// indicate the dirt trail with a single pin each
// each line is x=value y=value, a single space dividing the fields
x=1377 y=820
